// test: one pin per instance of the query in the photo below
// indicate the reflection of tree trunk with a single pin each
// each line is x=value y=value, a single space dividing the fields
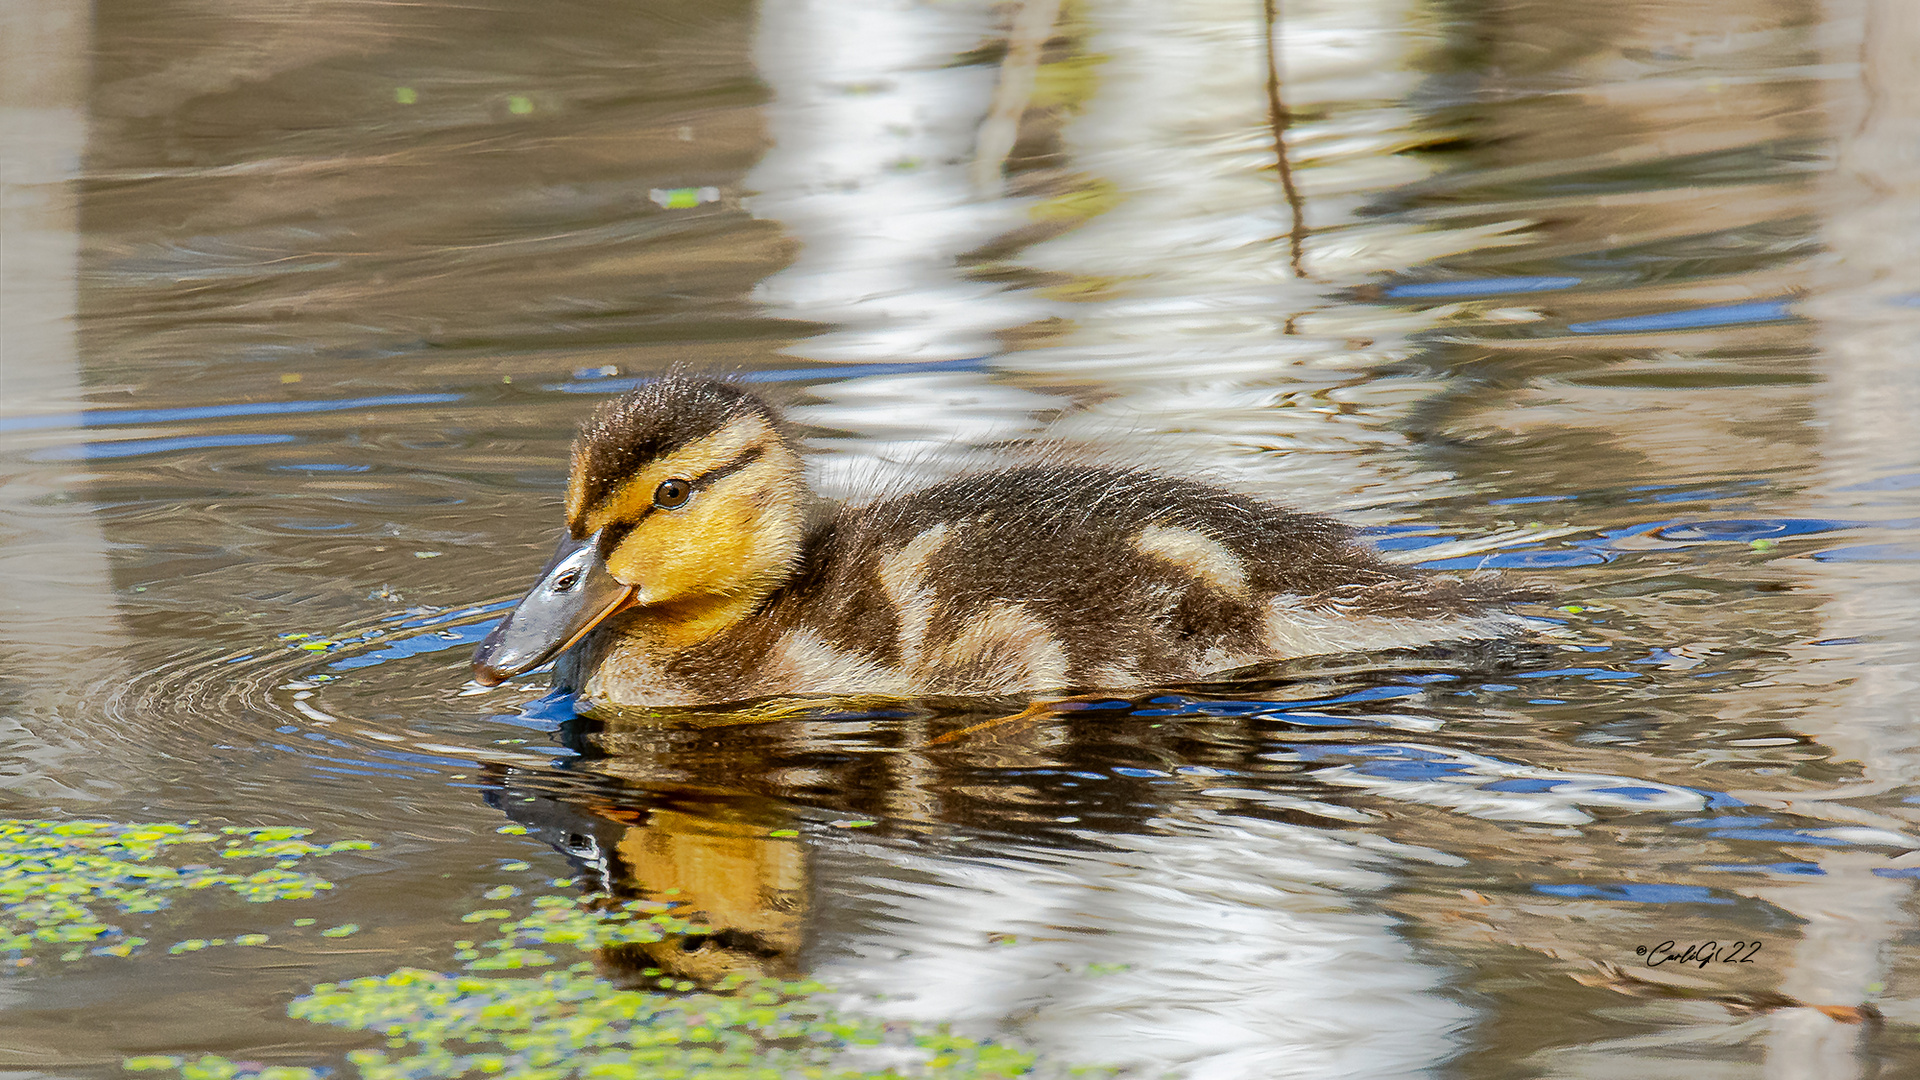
x=43 y=129
x=873 y=174
x=1870 y=395
x=1280 y=119
x=57 y=611
x=1032 y=26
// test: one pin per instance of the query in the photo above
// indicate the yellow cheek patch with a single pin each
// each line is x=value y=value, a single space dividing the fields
x=703 y=549
x=736 y=538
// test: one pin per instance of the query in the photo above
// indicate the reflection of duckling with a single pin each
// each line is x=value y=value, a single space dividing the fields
x=702 y=570
x=716 y=865
x=715 y=857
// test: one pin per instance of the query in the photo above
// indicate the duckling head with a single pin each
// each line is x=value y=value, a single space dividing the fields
x=685 y=508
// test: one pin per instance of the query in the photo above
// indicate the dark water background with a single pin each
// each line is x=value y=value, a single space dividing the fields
x=303 y=301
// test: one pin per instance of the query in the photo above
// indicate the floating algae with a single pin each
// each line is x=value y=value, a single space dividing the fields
x=568 y=1022
x=65 y=884
x=530 y=1002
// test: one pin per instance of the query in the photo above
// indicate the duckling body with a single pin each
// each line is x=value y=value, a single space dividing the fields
x=1028 y=578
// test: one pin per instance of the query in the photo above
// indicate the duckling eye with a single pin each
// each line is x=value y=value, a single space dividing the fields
x=672 y=494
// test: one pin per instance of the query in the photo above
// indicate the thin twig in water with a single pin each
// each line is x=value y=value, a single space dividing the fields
x=1280 y=119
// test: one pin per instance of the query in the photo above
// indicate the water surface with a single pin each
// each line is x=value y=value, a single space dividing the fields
x=305 y=300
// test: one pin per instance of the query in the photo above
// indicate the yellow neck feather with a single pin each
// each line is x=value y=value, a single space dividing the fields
x=678 y=626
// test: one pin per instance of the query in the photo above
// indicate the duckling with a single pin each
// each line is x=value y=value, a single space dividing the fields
x=699 y=568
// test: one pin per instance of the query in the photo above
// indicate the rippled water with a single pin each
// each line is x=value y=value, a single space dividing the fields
x=303 y=302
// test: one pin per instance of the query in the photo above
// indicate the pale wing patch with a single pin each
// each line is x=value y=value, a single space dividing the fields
x=1207 y=559
x=903 y=574
x=803 y=661
x=1006 y=649
x=1293 y=629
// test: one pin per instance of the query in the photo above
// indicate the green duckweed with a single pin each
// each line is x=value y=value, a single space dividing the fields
x=549 y=1022
x=571 y=1024
x=73 y=883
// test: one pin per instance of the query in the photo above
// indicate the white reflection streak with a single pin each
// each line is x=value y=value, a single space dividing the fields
x=1218 y=948
x=873 y=126
x=1459 y=781
x=872 y=131
x=1866 y=407
x=59 y=623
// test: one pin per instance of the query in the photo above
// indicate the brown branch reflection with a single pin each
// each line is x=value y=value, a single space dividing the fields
x=1280 y=118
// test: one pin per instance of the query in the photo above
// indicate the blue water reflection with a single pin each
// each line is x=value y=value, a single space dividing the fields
x=1692 y=319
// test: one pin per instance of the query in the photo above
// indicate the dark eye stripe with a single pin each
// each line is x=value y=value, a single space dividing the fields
x=617 y=531
x=729 y=468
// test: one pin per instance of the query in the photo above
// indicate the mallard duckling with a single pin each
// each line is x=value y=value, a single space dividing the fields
x=700 y=568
